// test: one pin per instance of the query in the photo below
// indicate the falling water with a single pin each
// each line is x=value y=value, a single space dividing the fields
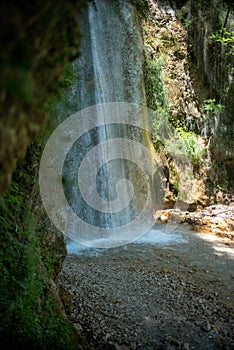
x=109 y=71
x=98 y=171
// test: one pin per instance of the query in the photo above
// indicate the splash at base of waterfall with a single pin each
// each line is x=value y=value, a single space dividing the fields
x=155 y=237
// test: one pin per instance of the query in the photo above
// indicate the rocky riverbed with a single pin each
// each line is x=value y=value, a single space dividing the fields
x=218 y=219
x=177 y=294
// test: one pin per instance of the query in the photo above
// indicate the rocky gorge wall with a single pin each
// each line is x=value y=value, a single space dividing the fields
x=189 y=80
x=38 y=41
x=213 y=61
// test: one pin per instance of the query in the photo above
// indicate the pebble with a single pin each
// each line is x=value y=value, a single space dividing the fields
x=130 y=301
x=78 y=327
x=185 y=346
x=205 y=326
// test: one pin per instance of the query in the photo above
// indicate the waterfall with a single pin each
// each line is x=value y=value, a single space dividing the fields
x=110 y=67
x=107 y=171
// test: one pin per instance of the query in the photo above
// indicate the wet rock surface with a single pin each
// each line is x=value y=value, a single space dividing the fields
x=218 y=219
x=177 y=296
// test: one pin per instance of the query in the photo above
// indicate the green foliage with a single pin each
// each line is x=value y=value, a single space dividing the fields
x=182 y=15
x=222 y=186
x=225 y=37
x=185 y=146
x=156 y=91
x=210 y=105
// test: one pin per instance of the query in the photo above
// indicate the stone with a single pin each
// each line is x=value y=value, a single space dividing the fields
x=175 y=342
x=78 y=327
x=164 y=217
x=205 y=326
x=120 y=347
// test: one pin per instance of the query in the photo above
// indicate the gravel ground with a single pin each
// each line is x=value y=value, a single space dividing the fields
x=175 y=296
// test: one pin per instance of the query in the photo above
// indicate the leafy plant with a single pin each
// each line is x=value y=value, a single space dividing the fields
x=182 y=15
x=185 y=145
x=210 y=105
x=225 y=37
x=155 y=88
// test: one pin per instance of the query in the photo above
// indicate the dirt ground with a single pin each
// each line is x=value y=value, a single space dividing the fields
x=163 y=296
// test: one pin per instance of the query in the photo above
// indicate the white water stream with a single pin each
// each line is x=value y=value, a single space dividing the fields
x=110 y=71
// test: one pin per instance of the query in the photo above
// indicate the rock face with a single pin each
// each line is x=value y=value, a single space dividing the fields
x=32 y=61
x=213 y=66
x=189 y=70
x=38 y=40
x=215 y=219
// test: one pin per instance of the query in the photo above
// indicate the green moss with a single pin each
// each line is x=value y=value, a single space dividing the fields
x=31 y=315
x=39 y=40
x=29 y=312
